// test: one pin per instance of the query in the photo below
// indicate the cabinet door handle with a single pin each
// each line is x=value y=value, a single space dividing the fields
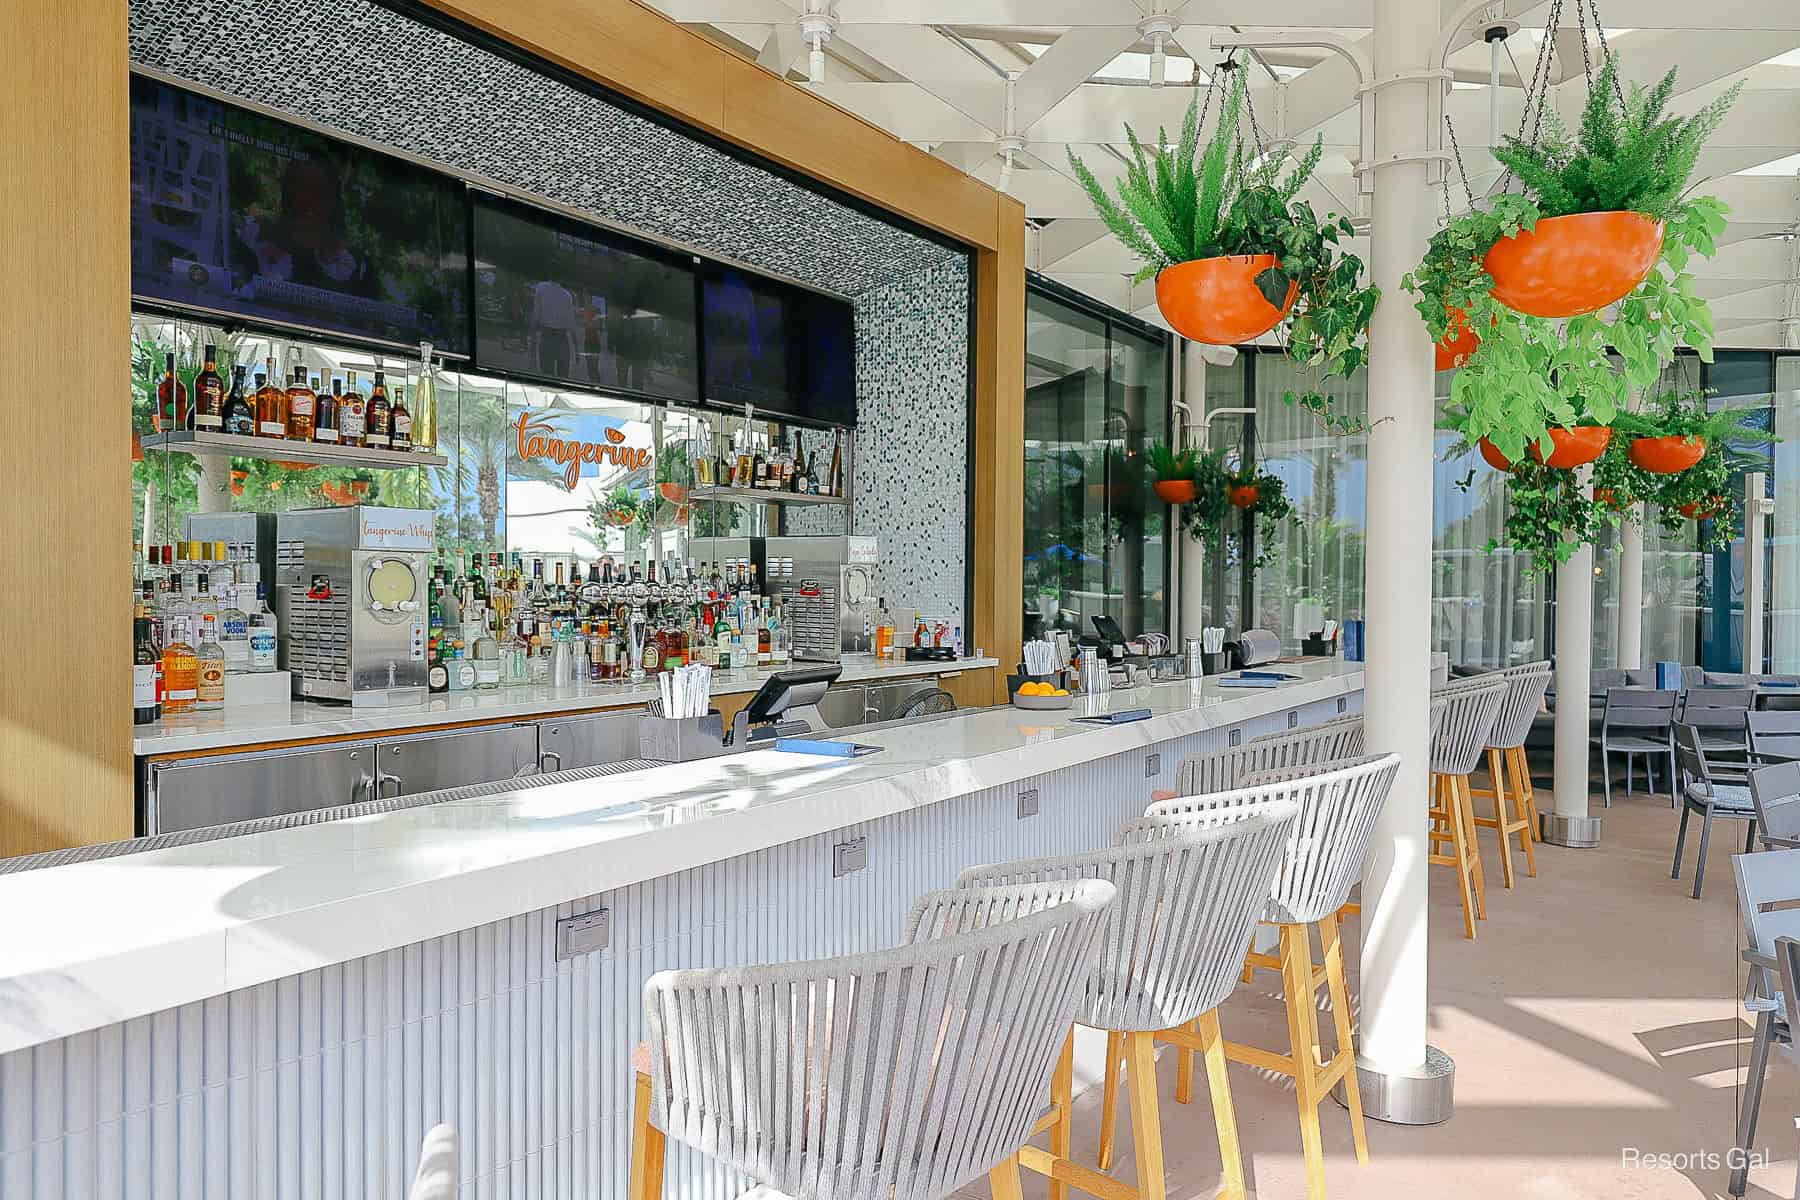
x=545 y=757
x=382 y=779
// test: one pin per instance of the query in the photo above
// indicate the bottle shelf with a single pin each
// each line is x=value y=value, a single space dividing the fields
x=758 y=496
x=234 y=445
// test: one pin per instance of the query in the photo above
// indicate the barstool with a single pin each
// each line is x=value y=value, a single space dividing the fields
x=899 y=1074
x=1339 y=804
x=1224 y=770
x=1169 y=951
x=1507 y=767
x=1463 y=732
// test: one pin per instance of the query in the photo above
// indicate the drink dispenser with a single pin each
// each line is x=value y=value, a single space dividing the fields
x=351 y=597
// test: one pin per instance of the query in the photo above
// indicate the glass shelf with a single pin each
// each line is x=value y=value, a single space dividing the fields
x=759 y=496
x=276 y=450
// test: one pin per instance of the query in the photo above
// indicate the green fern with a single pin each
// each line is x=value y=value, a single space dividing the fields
x=1627 y=154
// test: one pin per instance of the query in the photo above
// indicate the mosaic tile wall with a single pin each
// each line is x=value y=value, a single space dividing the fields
x=362 y=68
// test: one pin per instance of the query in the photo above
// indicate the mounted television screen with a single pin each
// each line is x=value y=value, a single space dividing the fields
x=825 y=347
x=252 y=217
x=568 y=302
x=745 y=320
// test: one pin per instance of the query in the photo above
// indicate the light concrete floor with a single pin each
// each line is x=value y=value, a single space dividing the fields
x=1596 y=1017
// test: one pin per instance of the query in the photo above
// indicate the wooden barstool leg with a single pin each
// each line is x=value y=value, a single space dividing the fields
x=1224 y=1114
x=1296 y=975
x=1062 y=1095
x=1146 y=1120
x=1109 y=1097
x=1466 y=803
x=1502 y=823
x=649 y=1145
x=1525 y=804
x=1004 y=1183
x=1346 y=1037
x=1184 y=1069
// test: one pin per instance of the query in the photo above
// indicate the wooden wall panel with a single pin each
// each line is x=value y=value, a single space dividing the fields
x=1000 y=440
x=65 y=459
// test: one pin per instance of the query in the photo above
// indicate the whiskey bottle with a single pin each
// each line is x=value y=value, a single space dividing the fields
x=302 y=403
x=380 y=414
x=171 y=400
x=238 y=419
x=799 y=487
x=180 y=670
x=351 y=414
x=402 y=421
x=144 y=706
x=836 y=485
x=271 y=402
x=325 y=422
x=209 y=395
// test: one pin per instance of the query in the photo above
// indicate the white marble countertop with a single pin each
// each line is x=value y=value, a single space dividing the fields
x=254 y=724
x=90 y=944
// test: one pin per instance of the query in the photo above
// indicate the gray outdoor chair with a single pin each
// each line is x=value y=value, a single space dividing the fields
x=1323 y=859
x=1170 y=951
x=1775 y=797
x=899 y=1074
x=1712 y=790
x=1637 y=721
x=1768 y=887
x=1223 y=770
x=1717 y=714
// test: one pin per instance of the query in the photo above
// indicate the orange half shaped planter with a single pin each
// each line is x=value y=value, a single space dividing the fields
x=1701 y=510
x=1670 y=455
x=1243 y=495
x=1575 y=264
x=1458 y=343
x=1609 y=498
x=1491 y=455
x=1216 y=300
x=1175 y=491
x=1574 y=447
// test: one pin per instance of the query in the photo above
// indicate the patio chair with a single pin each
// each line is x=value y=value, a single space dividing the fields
x=1775 y=795
x=1508 y=772
x=1636 y=721
x=1717 y=713
x=1765 y=883
x=1712 y=791
x=1471 y=707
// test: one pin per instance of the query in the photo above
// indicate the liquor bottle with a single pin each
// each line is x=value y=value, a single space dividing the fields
x=402 y=421
x=835 y=486
x=325 y=422
x=424 y=402
x=264 y=634
x=221 y=574
x=486 y=663
x=171 y=400
x=209 y=660
x=799 y=487
x=380 y=415
x=271 y=402
x=437 y=676
x=144 y=708
x=302 y=404
x=234 y=634
x=351 y=414
x=759 y=470
x=209 y=395
x=238 y=418
x=180 y=670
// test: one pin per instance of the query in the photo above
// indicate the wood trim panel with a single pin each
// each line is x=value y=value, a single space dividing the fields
x=65 y=524
x=1000 y=441
x=651 y=59
x=972 y=688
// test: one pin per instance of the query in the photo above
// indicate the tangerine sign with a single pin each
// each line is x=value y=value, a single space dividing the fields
x=539 y=439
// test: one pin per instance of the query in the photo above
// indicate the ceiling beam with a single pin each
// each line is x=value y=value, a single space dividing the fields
x=935 y=63
x=1065 y=66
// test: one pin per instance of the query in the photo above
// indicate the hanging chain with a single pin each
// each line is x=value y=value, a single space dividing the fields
x=1250 y=110
x=1605 y=50
x=1537 y=92
x=1456 y=150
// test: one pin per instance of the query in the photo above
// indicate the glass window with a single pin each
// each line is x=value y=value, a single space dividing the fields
x=1093 y=540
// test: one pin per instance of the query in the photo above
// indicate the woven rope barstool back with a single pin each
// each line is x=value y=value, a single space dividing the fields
x=1524 y=698
x=1224 y=770
x=1470 y=709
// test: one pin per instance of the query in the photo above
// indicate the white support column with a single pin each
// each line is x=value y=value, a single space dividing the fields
x=1631 y=589
x=215 y=484
x=1755 y=554
x=1403 y=1079
x=1193 y=554
x=1569 y=824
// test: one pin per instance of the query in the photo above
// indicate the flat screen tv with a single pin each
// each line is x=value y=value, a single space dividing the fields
x=825 y=349
x=745 y=319
x=571 y=303
x=247 y=216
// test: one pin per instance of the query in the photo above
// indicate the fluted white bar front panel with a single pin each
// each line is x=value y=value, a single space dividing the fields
x=322 y=1084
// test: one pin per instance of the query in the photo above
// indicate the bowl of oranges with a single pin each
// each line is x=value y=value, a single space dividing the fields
x=1032 y=694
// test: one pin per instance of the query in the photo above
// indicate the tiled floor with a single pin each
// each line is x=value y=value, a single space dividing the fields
x=1597 y=1017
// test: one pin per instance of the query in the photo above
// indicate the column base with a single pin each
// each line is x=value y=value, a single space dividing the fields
x=1425 y=1096
x=1577 y=833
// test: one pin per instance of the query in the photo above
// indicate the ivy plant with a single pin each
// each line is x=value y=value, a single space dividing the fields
x=1706 y=486
x=1550 y=514
x=1180 y=201
x=1215 y=522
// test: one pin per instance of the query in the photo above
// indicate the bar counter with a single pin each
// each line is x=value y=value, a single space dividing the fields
x=332 y=990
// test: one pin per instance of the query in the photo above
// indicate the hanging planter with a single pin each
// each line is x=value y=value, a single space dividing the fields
x=1458 y=343
x=1234 y=253
x=1574 y=264
x=1244 y=495
x=1216 y=300
x=1491 y=455
x=1609 y=498
x=1670 y=454
x=1174 y=471
x=674 y=493
x=1574 y=447
x=1175 y=491
x=1704 y=510
x=1222 y=495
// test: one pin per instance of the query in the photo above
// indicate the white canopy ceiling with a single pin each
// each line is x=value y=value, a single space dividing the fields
x=935 y=73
